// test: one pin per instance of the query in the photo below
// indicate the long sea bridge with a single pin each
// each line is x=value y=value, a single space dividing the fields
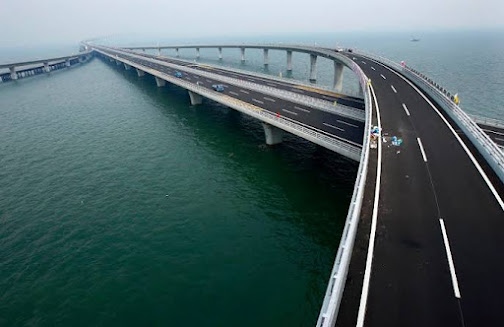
x=421 y=244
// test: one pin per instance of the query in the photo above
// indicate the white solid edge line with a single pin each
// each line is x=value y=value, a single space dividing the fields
x=474 y=161
x=422 y=149
x=456 y=289
x=369 y=260
x=406 y=109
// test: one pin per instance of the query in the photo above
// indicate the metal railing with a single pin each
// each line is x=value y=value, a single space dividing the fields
x=336 y=285
x=488 y=121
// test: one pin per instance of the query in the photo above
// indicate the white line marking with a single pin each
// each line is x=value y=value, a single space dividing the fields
x=243 y=91
x=327 y=98
x=422 y=149
x=225 y=86
x=363 y=62
x=499 y=139
x=393 y=88
x=252 y=80
x=332 y=126
x=233 y=93
x=301 y=109
x=258 y=101
x=269 y=99
x=344 y=122
x=450 y=127
x=209 y=81
x=297 y=90
x=456 y=289
x=271 y=84
x=373 y=68
x=406 y=109
x=290 y=112
x=372 y=235
x=383 y=76
x=494 y=132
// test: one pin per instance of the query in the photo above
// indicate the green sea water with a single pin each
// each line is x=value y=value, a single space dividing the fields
x=122 y=205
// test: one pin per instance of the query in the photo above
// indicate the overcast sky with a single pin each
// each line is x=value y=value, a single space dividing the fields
x=30 y=22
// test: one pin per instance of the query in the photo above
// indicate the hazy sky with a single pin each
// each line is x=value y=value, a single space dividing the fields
x=29 y=22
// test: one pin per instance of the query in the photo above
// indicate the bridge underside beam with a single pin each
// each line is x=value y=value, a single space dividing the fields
x=195 y=98
x=274 y=135
x=160 y=82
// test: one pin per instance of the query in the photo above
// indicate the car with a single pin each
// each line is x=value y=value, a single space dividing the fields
x=349 y=50
x=178 y=74
x=218 y=87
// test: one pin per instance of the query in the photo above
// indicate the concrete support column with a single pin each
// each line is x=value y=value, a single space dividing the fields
x=266 y=57
x=176 y=52
x=140 y=73
x=47 y=69
x=143 y=50
x=126 y=66
x=197 y=53
x=67 y=63
x=289 y=60
x=13 y=74
x=195 y=98
x=118 y=62
x=160 y=82
x=273 y=134
x=220 y=53
x=313 y=67
x=338 y=76
x=242 y=50
x=159 y=51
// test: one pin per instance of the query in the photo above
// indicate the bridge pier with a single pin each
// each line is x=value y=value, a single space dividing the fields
x=159 y=51
x=126 y=66
x=13 y=74
x=47 y=69
x=160 y=82
x=67 y=62
x=118 y=62
x=176 y=52
x=266 y=57
x=242 y=50
x=289 y=60
x=143 y=50
x=313 y=68
x=220 y=53
x=338 y=76
x=195 y=98
x=274 y=135
x=140 y=73
x=197 y=53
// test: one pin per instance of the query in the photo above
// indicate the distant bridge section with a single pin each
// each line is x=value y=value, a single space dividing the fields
x=16 y=70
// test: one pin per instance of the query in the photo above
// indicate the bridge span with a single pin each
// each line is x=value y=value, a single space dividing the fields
x=426 y=216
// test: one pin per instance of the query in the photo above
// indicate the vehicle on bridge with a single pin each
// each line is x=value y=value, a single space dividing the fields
x=178 y=74
x=218 y=87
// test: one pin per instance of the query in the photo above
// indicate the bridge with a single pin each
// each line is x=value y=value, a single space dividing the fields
x=422 y=239
x=15 y=70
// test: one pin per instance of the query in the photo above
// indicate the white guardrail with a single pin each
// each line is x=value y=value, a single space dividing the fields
x=486 y=147
x=336 y=285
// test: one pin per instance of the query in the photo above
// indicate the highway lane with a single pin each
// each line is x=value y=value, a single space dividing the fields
x=427 y=186
x=343 y=128
x=342 y=99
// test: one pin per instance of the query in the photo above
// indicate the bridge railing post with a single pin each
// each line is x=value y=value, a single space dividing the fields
x=313 y=67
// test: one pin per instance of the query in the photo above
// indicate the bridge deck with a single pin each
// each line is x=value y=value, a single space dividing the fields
x=342 y=127
x=495 y=133
x=422 y=192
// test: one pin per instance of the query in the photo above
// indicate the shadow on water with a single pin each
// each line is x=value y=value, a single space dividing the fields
x=240 y=140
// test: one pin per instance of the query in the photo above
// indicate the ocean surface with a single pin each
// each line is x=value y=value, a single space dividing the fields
x=123 y=205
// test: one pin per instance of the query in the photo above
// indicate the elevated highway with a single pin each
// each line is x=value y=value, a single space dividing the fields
x=427 y=214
